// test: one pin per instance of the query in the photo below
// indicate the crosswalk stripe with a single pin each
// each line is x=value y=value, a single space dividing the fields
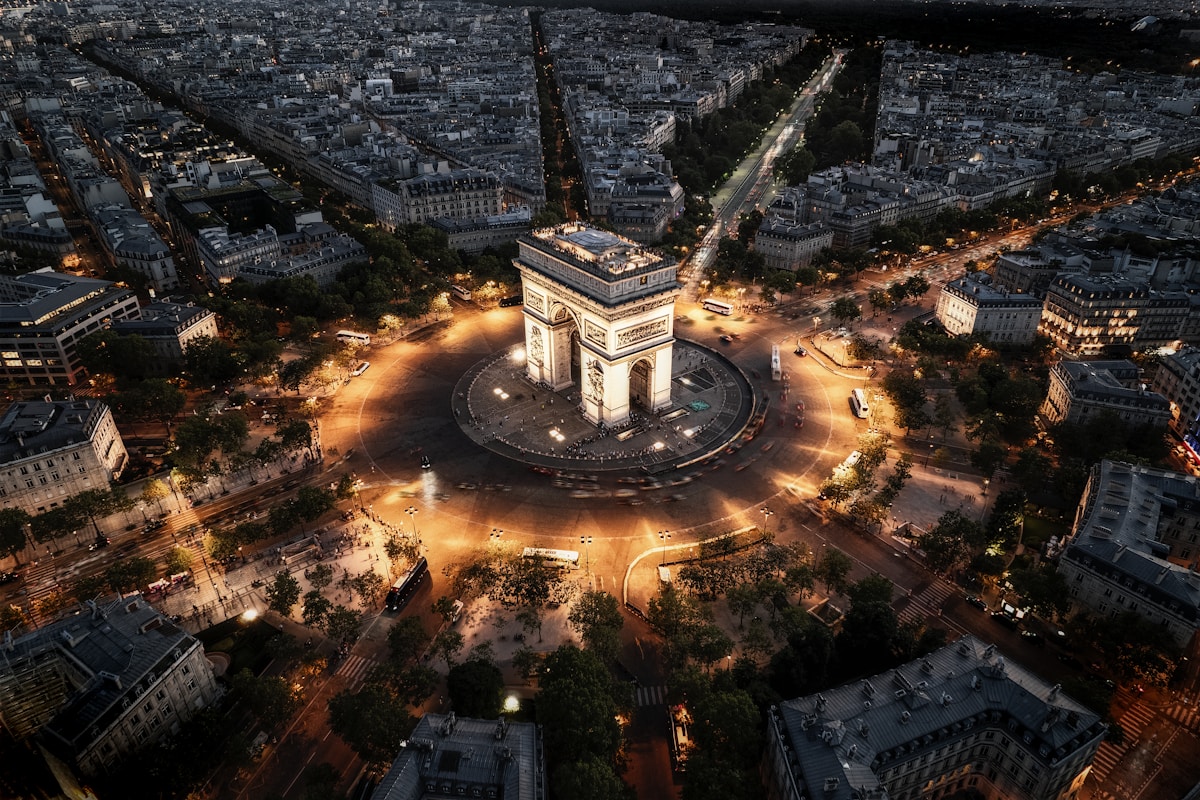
x=651 y=695
x=355 y=667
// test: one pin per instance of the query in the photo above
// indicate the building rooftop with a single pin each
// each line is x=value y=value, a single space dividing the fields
x=36 y=298
x=843 y=737
x=449 y=756
x=116 y=647
x=42 y=426
x=1118 y=530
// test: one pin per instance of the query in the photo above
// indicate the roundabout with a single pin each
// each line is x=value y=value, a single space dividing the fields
x=500 y=408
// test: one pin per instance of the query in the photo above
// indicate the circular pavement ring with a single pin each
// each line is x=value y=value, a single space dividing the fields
x=713 y=404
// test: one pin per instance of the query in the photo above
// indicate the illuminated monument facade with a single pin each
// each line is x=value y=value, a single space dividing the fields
x=599 y=315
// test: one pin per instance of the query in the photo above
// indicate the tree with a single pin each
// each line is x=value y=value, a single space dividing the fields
x=844 y=310
x=373 y=722
x=476 y=689
x=210 y=361
x=12 y=532
x=447 y=644
x=880 y=300
x=406 y=639
x=597 y=619
x=742 y=599
x=320 y=576
x=89 y=587
x=282 y=593
x=590 y=779
x=369 y=586
x=949 y=542
x=577 y=709
x=989 y=457
x=92 y=503
x=316 y=609
x=11 y=617
x=1043 y=589
x=728 y=726
x=1136 y=651
x=311 y=502
x=833 y=569
x=130 y=574
x=871 y=589
x=154 y=491
x=271 y=698
x=342 y=624
x=526 y=662
x=179 y=559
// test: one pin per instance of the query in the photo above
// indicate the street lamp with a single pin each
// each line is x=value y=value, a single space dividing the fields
x=586 y=541
x=412 y=515
x=664 y=536
x=767 y=514
x=985 y=486
x=497 y=533
x=927 y=455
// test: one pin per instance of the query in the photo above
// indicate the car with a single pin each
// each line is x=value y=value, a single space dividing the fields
x=1004 y=619
x=361 y=368
x=513 y=300
x=425 y=462
x=1033 y=638
x=8 y=577
x=800 y=351
x=726 y=338
x=978 y=602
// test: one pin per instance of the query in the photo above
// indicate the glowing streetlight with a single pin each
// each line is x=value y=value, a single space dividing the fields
x=767 y=514
x=412 y=515
x=664 y=536
x=586 y=541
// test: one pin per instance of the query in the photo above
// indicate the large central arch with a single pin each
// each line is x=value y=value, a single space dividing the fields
x=605 y=303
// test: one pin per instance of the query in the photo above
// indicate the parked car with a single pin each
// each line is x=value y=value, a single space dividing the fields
x=1004 y=619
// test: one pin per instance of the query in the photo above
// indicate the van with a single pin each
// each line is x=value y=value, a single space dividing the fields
x=514 y=300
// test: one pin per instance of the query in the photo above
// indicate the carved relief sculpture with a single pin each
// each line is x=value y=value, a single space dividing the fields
x=595 y=381
x=537 y=352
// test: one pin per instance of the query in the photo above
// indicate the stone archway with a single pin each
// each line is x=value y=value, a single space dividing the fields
x=641 y=379
x=596 y=306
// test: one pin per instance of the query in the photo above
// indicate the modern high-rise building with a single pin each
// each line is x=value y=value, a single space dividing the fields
x=44 y=314
x=960 y=719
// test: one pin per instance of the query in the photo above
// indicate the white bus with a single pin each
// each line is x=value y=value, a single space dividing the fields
x=356 y=338
x=858 y=404
x=460 y=292
x=776 y=369
x=717 y=306
x=563 y=559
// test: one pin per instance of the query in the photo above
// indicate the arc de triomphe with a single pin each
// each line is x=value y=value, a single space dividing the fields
x=600 y=315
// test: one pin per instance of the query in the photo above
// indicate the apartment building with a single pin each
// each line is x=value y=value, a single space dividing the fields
x=465 y=193
x=972 y=307
x=170 y=327
x=1084 y=314
x=476 y=235
x=50 y=450
x=790 y=245
x=100 y=686
x=1031 y=271
x=44 y=314
x=962 y=720
x=450 y=756
x=1134 y=546
x=1080 y=390
x=1178 y=379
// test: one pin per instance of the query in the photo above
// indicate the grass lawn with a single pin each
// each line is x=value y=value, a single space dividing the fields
x=1039 y=530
